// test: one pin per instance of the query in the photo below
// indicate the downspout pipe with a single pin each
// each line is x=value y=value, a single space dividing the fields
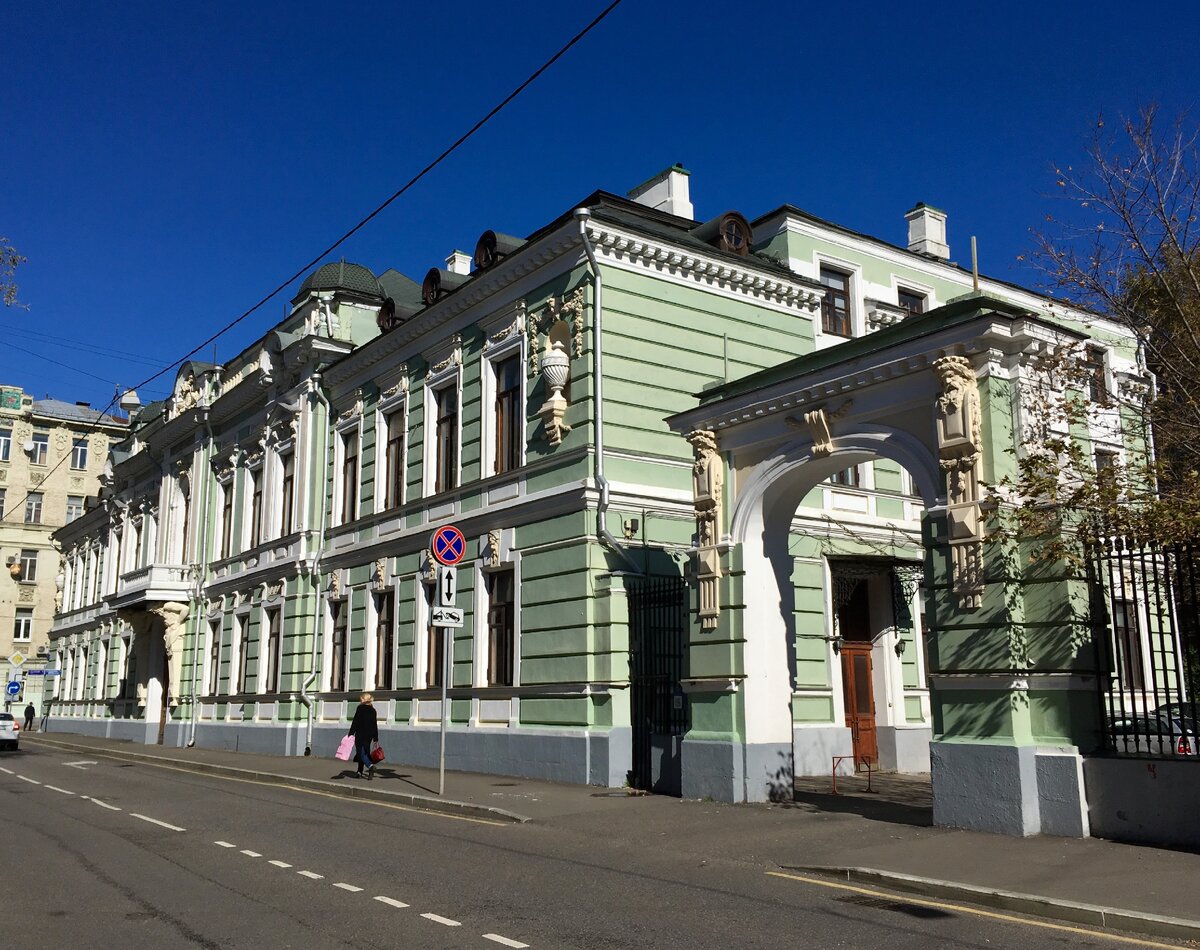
x=315 y=564
x=583 y=215
x=201 y=577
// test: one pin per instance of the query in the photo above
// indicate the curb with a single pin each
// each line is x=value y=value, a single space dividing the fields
x=1108 y=918
x=370 y=793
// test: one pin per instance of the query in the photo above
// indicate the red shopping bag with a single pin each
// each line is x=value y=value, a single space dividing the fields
x=377 y=754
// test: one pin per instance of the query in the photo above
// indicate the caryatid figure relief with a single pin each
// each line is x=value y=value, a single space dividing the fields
x=708 y=481
x=960 y=453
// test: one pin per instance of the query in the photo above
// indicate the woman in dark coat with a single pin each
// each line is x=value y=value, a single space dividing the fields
x=365 y=729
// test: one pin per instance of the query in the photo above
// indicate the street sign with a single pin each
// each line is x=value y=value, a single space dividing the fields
x=17 y=658
x=43 y=672
x=14 y=687
x=448 y=545
x=448 y=585
x=447 y=616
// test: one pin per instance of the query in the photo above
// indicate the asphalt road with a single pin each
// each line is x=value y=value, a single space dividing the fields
x=114 y=854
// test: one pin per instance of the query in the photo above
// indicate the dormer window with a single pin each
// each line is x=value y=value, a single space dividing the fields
x=835 y=305
x=911 y=301
x=729 y=232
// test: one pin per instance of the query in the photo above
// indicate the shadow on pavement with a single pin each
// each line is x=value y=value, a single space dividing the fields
x=895 y=798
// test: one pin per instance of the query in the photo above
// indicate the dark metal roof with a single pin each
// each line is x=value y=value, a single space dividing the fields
x=70 y=412
x=340 y=275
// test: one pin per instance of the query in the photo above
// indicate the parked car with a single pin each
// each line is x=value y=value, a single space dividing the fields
x=1186 y=713
x=1153 y=734
x=10 y=730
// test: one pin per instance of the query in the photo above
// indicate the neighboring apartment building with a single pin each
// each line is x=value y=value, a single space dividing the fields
x=51 y=457
x=260 y=551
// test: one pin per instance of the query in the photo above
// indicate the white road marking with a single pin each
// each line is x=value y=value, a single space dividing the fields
x=6 y=771
x=281 y=864
x=97 y=801
x=442 y=920
x=348 y=887
x=390 y=901
x=311 y=874
x=225 y=844
x=31 y=781
x=251 y=854
x=80 y=764
x=504 y=941
x=155 y=821
x=55 y=788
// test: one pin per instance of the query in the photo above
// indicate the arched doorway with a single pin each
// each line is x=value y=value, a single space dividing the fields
x=934 y=396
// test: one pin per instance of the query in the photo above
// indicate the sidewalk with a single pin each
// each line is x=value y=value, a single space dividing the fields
x=870 y=840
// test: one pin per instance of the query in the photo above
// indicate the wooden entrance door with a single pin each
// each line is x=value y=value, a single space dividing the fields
x=859 y=695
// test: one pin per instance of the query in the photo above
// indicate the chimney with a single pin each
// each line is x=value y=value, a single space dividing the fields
x=458 y=263
x=927 y=231
x=667 y=191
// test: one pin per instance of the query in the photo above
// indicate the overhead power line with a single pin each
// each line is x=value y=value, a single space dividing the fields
x=362 y=222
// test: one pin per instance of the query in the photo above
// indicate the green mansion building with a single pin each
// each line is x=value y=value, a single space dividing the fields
x=720 y=487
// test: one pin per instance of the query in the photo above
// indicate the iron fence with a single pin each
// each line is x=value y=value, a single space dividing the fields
x=658 y=630
x=1144 y=601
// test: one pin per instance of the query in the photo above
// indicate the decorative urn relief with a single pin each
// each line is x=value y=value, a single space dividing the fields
x=556 y=371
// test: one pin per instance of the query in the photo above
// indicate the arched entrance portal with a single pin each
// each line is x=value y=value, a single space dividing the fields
x=771 y=694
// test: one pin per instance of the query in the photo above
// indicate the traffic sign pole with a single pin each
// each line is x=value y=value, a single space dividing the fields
x=448 y=546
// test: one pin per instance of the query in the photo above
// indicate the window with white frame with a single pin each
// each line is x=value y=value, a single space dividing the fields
x=1128 y=641
x=849 y=477
x=23 y=625
x=508 y=414
x=501 y=596
x=33 y=507
x=835 y=303
x=41 y=448
x=29 y=561
x=445 y=436
x=1096 y=369
x=242 y=625
x=2 y=501
x=74 y=507
x=254 y=478
x=79 y=454
x=395 y=433
x=214 y=658
x=287 y=490
x=272 y=656
x=5 y=444
x=339 y=645
x=385 y=640
x=348 y=485
x=226 y=489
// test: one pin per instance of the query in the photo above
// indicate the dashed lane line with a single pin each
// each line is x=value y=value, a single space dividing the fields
x=96 y=801
x=224 y=844
x=348 y=887
x=31 y=781
x=6 y=771
x=280 y=864
x=391 y=901
x=504 y=941
x=155 y=821
x=311 y=874
x=445 y=921
x=251 y=854
x=55 y=788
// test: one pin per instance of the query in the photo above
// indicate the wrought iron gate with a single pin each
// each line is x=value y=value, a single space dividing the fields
x=658 y=633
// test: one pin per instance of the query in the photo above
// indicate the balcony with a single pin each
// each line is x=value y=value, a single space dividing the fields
x=151 y=584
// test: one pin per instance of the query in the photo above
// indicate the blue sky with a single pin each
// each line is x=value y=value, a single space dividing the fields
x=166 y=164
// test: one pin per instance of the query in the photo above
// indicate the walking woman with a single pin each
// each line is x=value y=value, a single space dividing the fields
x=365 y=729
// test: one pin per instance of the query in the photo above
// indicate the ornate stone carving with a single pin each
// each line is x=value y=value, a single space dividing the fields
x=187 y=394
x=355 y=410
x=818 y=427
x=428 y=572
x=335 y=585
x=401 y=385
x=272 y=591
x=173 y=615
x=556 y=371
x=567 y=310
x=493 y=554
x=708 y=481
x=960 y=447
x=379 y=574
x=453 y=359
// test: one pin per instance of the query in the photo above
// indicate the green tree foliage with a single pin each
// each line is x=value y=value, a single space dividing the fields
x=1125 y=247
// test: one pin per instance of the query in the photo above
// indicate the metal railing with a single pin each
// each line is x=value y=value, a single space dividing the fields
x=1144 y=599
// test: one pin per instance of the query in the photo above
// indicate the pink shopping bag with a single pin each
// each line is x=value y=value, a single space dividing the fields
x=345 y=749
